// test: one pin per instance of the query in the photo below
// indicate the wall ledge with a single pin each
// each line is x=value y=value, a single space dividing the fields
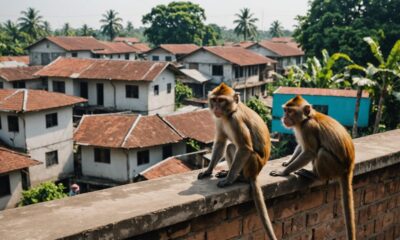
x=134 y=209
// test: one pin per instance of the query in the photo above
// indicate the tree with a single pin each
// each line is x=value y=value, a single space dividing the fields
x=111 y=24
x=261 y=109
x=86 y=30
x=31 y=23
x=129 y=27
x=276 y=29
x=245 y=24
x=210 y=37
x=177 y=22
x=11 y=29
x=44 y=192
x=47 y=28
x=181 y=93
x=67 y=30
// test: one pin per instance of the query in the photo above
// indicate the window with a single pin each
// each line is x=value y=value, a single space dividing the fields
x=19 y=84
x=5 y=186
x=0 y=124
x=194 y=66
x=155 y=58
x=13 y=124
x=59 y=86
x=1 y=85
x=45 y=58
x=132 y=91
x=167 y=151
x=119 y=55
x=74 y=54
x=168 y=58
x=217 y=70
x=156 y=90
x=321 y=108
x=143 y=157
x=169 y=88
x=126 y=56
x=51 y=158
x=102 y=155
x=84 y=89
x=51 y=120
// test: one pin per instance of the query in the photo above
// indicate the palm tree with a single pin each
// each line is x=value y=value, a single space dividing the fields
x=12 y=30
x=112 y=24
x=86 y=30
x=276 y=29
x=245 y=24
x=67 y=30
x=31 y=23
x=129 y=27
x=47 y=28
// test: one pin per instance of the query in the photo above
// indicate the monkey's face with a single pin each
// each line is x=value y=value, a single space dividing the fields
x=222 y=105
x=288 y=118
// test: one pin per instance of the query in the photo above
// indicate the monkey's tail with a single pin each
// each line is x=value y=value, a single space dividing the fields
x=348 y=205
x=262 y=209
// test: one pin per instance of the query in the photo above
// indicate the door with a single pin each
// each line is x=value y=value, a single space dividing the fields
x=100 y=94
x=84 y=90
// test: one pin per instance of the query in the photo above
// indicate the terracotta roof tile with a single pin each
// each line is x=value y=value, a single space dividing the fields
x=197 y=125
x=74 y=43
x=115 y=48
x=28 y=100
x=167 y=167
x=320 y=92
x=103 y=69
x=281 y=48
x=179 y=48
x=19 y=73
x=11 y=161
x=124 y=131
x=126 y=39
x=239 y=56
x=23 y=59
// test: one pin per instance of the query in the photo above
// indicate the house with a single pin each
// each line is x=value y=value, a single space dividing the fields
x=14 y=176
x=284 y=50
x=39 y=123
x=13 y=61
x=196 y=80
x=118 y=50
x=337 y=103
x=140 y=86
x=130 y=40
x=21 y=77
x=170 y=52
x=118 y=147
x=247 y=72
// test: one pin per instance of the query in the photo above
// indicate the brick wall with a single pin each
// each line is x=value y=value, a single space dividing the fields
x=314 y=213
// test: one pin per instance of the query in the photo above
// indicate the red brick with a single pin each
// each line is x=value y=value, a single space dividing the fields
x=320 y=215
x=378 y=224
x=278 y=229
x=365 y=231
x=197 y=236
x=299 y=223
x=391 y=203
x=366 y=214
x=287 y=228
x=304 y=236
x=311 y=200
x=397 y=232
x=369 y=195
x=285 y=209
x=208 y=220
x=390 y=188
x=331 y=192
x=178 y=230
x=388 y=220
x=357 y=198
x=225 y=230
x=251 y=223
x=359 y=182
x=258 y=235
x=389 y=234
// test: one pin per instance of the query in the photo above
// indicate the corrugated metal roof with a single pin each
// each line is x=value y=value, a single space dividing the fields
x=19 y=73
x=23 y=59
x=73 y=43
x=284 y=49
x=126 y=39
x=320 y=92
x=166 y=167
x=179 y=48
x=115 y=48
x=12 y=161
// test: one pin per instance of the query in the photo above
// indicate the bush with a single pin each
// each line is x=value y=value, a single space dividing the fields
x=44 y=192
x=181 y=93
x=261 y=109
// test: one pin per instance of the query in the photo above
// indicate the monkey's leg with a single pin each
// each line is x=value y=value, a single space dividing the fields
x=296 y=153
x=241 y=158
x=301 y=160
x=217 y=153
x=229 y=155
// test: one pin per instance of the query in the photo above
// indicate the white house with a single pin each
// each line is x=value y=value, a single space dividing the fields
x=284 y=50
x=120 y=50
x=14 y=61
x=118 y=147
x=14 y=176
x=20 y=77
x=39 y=123
x=170 y=52
x=141 y=86
x=130 y=40
x=244 y=70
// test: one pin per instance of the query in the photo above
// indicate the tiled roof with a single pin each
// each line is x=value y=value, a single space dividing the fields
x=283 y=49
x=197 y=125
x=179 y=48
x=103 y=69
x=23 y=59
x=124 y=131
x=28 y=100
x=238 y=55
x=115 y=48
x=19 y=73
x=167 y=167
x=126 y=39
x=74 y=43
x=11 y=161
x=320 y=92
x=141 y=47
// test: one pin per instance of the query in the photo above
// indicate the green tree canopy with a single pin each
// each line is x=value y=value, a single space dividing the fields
x=245 y=24
x=111 y=24
x=31 y=23
x=177 y=22
x=276 y=29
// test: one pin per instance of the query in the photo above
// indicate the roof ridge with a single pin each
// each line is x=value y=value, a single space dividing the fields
x=171 y=126
x=131 y=129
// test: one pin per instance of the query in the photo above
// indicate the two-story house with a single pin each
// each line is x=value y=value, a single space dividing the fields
x=170 y=52
x=140 y=86
x=130 y=40
x=120 y=50
x=284 y=50
x=247 y=72
x=39 y=123
x=20 y=77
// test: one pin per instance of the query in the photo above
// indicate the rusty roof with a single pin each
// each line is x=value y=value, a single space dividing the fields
x=19 y=73
x=103 y=69
x=178 y=48
x=73 y=43
x=169 y=166
x=237 y=55
x=198 y=125
x=126 y=39
x=115 y=48
x=124 y=131
x=12 y=161
x=23 y=59
x=284 y=49
x=320 y=92
x=29 y=100
x=141 y=47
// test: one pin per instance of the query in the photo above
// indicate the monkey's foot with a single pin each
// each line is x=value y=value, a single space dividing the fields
x=222 y=174
x=223 y=183
x=277 y=173
x=203 y=175
x=285 y=163
x=307 y=174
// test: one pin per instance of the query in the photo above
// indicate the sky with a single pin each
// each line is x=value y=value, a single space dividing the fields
x=79 y=12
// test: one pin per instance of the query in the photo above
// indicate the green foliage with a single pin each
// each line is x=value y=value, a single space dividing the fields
x=261 y=109
x=193 y=144
x=31 y=23
x=177 y=22
x=111 y=24
x=279 y=149
x=276 y=29
x=181 y=93
x=245 y=24
x=44 y=192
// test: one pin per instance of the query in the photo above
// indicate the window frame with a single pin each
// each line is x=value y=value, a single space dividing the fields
x=51 y=120
x=58 y=84
x=51 y=162
x=102 y=155
x=217 y=70
x=169 y=88
x=130 y=91
x=4 y=181
x=168 y=58
x=13 y=127
x=143 y=157
x=155 y=58
x=156 y=90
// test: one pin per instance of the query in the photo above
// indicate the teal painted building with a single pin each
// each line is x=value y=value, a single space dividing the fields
x=337 y=103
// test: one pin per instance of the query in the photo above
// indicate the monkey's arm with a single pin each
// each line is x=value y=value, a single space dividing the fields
x=241 y=157
x=217 y=153
x=296 y=153
x=299 y=162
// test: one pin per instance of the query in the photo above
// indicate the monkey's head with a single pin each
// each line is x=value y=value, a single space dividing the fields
x=296 y=110
x=223 y=100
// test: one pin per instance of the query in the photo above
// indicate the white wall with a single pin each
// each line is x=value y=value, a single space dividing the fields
x=69 y=85
x=161 y=53
x=15 y=188
x=15 y=139
x=29 y=84
x=136 y=104
x=164 y=102
x=81 y=54
x=44 y=47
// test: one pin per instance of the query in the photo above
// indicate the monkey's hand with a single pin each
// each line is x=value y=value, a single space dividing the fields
x=224 y=183
x=204 y=175
x=278 y=173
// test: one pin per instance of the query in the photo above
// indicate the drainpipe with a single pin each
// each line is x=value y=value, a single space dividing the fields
x=128 y=165
x=115 y=93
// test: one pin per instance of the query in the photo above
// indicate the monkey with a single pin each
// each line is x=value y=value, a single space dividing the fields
x=326 y=143
x=248 y=150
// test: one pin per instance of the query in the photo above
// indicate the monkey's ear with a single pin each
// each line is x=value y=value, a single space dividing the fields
x=236 y=97
x=307 y=110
